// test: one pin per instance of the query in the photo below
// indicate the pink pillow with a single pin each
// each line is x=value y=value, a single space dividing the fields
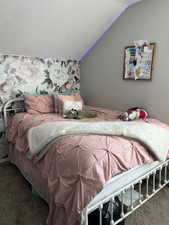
x=39 y=104
x=67 y=102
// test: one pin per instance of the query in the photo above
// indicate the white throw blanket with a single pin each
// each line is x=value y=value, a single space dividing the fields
x=156 y=138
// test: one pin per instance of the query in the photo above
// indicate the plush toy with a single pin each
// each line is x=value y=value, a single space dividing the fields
x=75 y=114
x=133 y=114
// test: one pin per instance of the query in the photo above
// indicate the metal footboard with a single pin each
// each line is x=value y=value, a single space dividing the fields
x=134 y=188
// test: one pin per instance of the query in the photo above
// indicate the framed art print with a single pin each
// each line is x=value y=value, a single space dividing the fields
x=138 y=61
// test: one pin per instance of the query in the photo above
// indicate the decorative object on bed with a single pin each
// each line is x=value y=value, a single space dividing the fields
x=75 y=114
x=68 y=102
x=138 y=61
x=39 y=104
x=35 y=75
x=133 y=114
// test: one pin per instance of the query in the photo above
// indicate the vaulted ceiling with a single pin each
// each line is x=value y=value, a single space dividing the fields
x=59 y=28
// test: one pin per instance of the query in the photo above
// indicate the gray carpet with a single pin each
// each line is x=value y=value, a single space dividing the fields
x=17 y=204
x=19 y=207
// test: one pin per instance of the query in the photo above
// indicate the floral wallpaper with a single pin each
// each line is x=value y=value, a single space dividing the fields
x=34 y=75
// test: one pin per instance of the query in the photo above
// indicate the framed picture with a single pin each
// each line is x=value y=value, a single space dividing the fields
x=138 y=62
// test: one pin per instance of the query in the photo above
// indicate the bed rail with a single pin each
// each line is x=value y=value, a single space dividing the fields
x=133 y=188
x=10 y=107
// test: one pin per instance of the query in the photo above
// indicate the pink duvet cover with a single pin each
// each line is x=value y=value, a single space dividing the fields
x=77 y=167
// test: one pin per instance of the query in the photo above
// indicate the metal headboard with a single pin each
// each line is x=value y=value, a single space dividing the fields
x=10 y=108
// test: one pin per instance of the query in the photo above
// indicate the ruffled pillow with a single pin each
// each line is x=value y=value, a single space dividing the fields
x=65 y=103
x=39 y=104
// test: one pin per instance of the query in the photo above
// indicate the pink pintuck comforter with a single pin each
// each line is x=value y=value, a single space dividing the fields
x=77 y=167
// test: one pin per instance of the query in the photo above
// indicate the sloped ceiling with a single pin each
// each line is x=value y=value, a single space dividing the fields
x=65 y=29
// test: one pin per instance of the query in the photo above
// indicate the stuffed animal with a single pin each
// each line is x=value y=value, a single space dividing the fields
x=75 y=114
x=133 y=114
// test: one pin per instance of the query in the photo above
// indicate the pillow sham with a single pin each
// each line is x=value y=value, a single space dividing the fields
x=65 y=103
x=39 y=104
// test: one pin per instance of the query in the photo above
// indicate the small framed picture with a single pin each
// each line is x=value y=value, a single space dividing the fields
x=138 y=62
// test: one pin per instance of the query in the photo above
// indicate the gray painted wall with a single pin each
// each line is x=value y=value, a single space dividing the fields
x=101 y=70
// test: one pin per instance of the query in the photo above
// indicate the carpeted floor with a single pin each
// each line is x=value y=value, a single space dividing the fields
x=17 y=204
x=19 y=207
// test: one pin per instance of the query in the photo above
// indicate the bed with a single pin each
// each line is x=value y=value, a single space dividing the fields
x=79 y=174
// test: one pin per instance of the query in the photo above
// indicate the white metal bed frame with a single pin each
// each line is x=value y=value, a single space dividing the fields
x=147 y=180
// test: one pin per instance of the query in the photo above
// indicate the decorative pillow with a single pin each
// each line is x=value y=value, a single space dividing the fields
x=39 y=104
x=134 y=113
x=65 y=103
